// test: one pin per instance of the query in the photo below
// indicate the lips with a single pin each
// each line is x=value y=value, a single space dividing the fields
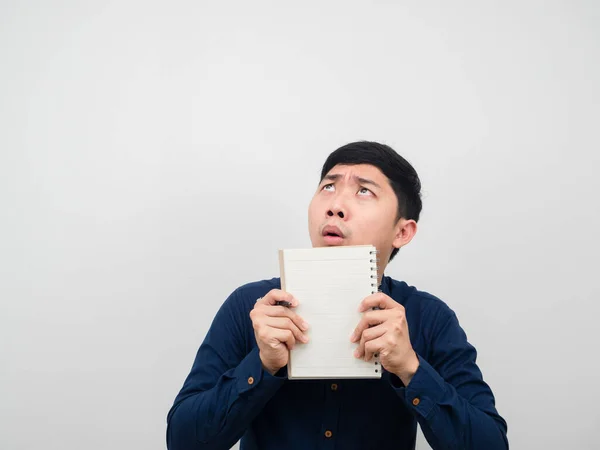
x=332 y=235
x=332 y=231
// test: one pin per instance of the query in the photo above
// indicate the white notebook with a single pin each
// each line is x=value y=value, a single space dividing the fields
x=329 y=283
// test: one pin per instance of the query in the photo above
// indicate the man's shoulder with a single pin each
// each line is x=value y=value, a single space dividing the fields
x=242 y=299
x=415 y=299
x=255 y=289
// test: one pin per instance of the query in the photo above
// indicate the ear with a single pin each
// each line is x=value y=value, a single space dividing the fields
x=405 y=231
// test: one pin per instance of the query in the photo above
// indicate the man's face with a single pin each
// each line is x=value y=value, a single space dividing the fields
x=355 y=205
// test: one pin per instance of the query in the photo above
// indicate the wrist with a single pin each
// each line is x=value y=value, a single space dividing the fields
x=269 y=370
x=268 y=367
x=409 y=370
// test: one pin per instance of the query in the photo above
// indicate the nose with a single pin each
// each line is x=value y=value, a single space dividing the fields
x=339 y=204
x=336 y=210
x=339 y=213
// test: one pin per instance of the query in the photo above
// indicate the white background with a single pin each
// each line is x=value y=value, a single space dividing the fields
x=154 y=156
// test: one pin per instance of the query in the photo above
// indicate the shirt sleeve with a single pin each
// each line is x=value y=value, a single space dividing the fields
x=225 y=389
x=453 y=405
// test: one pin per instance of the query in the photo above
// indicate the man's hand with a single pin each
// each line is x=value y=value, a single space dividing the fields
x=385 y=331
x=277 y=328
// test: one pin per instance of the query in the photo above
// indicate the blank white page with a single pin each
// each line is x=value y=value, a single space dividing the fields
x=329 y=283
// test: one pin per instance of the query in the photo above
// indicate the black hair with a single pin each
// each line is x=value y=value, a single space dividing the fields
x=402 y=176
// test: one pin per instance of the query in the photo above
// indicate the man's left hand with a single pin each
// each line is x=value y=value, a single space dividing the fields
x=385 y=331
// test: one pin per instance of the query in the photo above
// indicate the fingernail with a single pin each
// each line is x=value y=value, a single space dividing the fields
x=304 y=338
x=304 y=326
x=353 y=337
x=356 y=353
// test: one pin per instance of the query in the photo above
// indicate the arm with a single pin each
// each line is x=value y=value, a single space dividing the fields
x=225 y=389
x=452 y=403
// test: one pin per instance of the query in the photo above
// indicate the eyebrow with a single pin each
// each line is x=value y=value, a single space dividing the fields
x=360 y=180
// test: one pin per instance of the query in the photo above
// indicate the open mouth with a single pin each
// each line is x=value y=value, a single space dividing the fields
x=332 y=235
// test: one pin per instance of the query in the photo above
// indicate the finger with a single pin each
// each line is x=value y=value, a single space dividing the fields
x=284 y=336
x=282 y=311
x=378 y=300
x=277 y=295
x=369 y=319
x=374 y=347
x=368 y=335
x=285 y=323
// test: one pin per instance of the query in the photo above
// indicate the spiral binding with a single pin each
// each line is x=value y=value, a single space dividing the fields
x=374 y=261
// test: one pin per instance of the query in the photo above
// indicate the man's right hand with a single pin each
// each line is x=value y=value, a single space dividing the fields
x=277 y=329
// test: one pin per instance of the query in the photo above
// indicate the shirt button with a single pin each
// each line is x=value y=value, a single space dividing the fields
x=251 y=380
x=334 y=387
x=328 y=434
x=416 y=401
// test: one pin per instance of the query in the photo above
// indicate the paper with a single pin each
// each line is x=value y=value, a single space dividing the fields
x=329 y=283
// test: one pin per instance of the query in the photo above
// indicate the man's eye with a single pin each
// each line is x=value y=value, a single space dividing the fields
x=328 y=187
x=364 y=191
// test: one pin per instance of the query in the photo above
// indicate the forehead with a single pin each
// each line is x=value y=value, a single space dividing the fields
x=360 y=170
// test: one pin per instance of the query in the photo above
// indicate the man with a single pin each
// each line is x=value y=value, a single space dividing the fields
x=238 y=387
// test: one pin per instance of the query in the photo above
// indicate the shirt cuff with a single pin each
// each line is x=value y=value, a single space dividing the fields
x=252 y=378
x=425 y=390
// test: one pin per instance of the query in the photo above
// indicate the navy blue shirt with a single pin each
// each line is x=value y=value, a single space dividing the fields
x=228 y=396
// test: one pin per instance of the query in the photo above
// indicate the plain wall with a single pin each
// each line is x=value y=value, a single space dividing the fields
x=155 y=155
